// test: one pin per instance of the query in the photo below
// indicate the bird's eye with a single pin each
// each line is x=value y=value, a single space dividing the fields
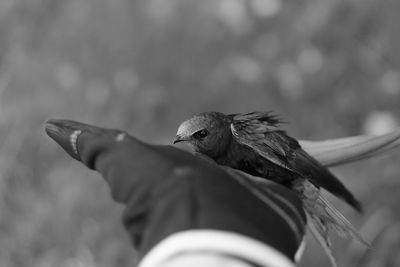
x=200 y=134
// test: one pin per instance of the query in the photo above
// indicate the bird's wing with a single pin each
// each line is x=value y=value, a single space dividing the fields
x=259 y=130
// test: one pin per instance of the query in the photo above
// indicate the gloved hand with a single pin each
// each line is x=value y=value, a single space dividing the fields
x=178 y=203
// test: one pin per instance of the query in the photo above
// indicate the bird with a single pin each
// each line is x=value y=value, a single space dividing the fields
x=255 y=144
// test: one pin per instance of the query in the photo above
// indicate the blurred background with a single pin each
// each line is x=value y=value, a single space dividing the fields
x=329 y=67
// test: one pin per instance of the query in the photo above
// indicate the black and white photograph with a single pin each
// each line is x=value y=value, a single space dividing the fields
x=188 y=133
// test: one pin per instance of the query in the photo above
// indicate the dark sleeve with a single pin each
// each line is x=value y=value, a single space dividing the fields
x=167 y=191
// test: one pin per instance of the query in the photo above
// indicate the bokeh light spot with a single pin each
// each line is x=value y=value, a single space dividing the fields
x=233 y=14
x=380 y=122
x=266 y=8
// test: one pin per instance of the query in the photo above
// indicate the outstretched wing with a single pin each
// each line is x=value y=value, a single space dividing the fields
x=259 y=131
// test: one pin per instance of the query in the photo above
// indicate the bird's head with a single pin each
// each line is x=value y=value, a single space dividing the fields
x=207 y=133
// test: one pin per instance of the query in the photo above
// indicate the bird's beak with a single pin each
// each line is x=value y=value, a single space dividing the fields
x=178 y=139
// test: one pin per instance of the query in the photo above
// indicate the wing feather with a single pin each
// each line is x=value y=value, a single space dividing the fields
x=260 y=132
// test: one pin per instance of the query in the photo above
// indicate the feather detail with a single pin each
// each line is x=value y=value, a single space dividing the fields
x=318 y=232
x=259 y=132
x=342 y=226
x=323 y=217
x=319 y=175
x=266 y=117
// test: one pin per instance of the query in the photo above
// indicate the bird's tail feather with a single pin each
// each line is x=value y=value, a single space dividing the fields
x=320 y=233
x=327 y=180
x=322 y=217
x=342 y=226
x=323 y=213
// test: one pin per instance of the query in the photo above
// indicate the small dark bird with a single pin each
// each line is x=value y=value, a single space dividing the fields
x=254 y=143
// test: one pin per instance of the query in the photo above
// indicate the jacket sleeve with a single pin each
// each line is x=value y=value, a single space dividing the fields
x=173 y=197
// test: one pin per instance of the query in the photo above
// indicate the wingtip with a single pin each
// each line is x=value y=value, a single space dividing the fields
x=360 y=208
x=352 y=201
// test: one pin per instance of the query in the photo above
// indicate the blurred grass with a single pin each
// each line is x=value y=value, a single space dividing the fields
x=330 y=67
